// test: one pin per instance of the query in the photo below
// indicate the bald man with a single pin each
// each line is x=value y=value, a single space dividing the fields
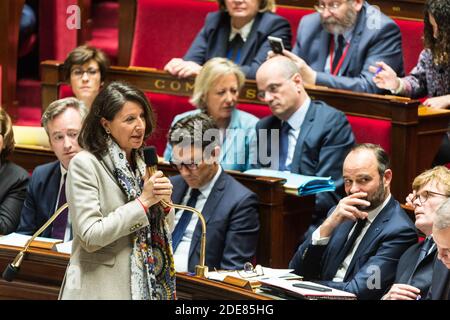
x=313 y=137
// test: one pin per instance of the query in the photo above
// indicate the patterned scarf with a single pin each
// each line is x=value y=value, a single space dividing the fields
x=152 y=265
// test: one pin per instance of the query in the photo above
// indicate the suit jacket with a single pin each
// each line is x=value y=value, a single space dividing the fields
x=13 y=186
x=376 y=37
x=212 y=40
x=239 y=149
x=103 y=225
x=375 y=260
x=40 y=202
x=440 y=282
x=324 y=140
x=419 y=276
x=232 y=224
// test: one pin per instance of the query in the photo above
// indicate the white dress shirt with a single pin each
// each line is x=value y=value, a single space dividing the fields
x=68 y=232
x=295 y=121
x=181 y=255
x=244 y=31
x=317 y=240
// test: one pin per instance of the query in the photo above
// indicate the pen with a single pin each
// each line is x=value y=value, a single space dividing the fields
x=419 y=297
x=379 y=69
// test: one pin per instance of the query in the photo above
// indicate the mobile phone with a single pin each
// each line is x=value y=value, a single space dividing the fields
x=276 y=44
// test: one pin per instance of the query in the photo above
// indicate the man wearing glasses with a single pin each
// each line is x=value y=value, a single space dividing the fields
x=302 y=136
x=336 y=45
x=415 y=268
x=440 y=284
x=230 y=209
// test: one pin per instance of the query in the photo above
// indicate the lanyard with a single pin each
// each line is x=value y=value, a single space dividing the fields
x=341 y=60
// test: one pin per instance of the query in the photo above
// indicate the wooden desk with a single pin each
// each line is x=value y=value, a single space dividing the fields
x=283 y=217
x=42 y=271
x=415 y=135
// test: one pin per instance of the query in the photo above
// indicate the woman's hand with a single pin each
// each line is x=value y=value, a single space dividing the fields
x=441 y=102
x=155 y=189
x=385 y=77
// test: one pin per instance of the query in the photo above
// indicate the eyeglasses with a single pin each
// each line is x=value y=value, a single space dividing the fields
x=248 y=272
x=332 y=7
x=423 y=197
x=273 y=88
x=78 y=73
x=189 y=166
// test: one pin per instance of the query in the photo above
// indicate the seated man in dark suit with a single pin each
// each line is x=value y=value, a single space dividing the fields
x=336 y=45
x=415 y=268
x=440 y=284
x=314 y=137
x=46 y=191
x=357 y=248
x=230 y=209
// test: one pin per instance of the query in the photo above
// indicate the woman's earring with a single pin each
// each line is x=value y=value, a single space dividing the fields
x=107 y=131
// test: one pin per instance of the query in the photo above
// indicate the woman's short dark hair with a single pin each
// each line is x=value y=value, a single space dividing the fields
x=106 y=105
x=6 y=130
x=440 y=47
x=83 y=54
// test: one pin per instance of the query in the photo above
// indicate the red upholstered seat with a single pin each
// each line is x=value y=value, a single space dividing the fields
x=293 y=15
x=412 y=43
x=65 y=91
x=165 y=29
x=372 y=130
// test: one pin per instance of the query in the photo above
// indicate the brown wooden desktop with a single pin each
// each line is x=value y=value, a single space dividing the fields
x=42 y=271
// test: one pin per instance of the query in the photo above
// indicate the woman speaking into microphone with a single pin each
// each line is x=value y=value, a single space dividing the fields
x=121 y=242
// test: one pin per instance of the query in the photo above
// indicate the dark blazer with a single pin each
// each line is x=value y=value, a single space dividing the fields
x=376 y=37
x=13 y=188
x=324 y=140
x=419 y=276
x=440 y=282
x=212 y=40
x=376 y=257
x=40 y=202
x=232 y=224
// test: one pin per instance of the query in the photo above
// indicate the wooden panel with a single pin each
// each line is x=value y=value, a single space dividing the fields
x=127 y=19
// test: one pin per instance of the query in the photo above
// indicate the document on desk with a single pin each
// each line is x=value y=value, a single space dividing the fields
x=65 y=247
x=304 y=290
x=266 y=273
x=20 y=240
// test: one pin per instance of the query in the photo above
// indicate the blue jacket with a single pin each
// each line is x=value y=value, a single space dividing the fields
x=374 y=262
x=212 y=40
x=232 y=224
x=325 y=139
x=239 y=149
x=376 y=37
x=40 y=202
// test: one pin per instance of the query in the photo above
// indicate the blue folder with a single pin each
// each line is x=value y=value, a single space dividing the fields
x=304 y=185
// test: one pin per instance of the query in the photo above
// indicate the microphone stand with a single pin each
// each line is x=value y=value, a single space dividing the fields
x=200 y=270
x=13 y=268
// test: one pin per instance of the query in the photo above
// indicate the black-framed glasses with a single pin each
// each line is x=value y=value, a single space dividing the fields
x=425 y=195
x=78 y=72
x=180 y=165
x=333 y=7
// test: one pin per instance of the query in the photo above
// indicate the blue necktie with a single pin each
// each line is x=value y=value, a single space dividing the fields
x=284 y=145
x=234 y=48
x=426 y=246
x=182 y=224
x=338 y=52
x=60 y=223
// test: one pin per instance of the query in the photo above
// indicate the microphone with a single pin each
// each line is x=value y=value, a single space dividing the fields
x=13 y=268
x=151 y=160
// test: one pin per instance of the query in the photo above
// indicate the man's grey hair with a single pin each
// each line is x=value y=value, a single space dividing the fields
x=59 y=106
x=442 y=218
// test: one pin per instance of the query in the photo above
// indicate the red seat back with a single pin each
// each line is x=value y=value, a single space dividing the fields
x=165 y=29
x=293 y=15
x=372 y=130
x=412 y=43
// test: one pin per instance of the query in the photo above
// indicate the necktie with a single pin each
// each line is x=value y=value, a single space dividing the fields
x=338 y=52
x=60 y=223
x=234 y=48
x=182 y=224
x=426 y=246
x=359 y=226
x=284 y=145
